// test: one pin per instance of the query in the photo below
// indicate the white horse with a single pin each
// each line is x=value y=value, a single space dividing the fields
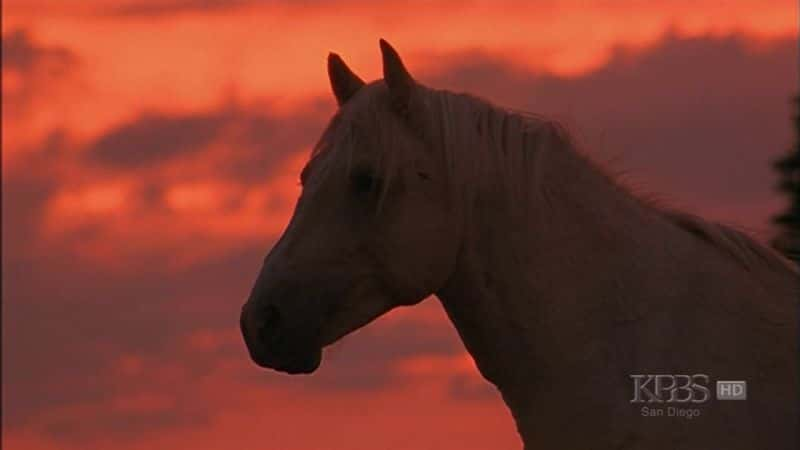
x=589 y=309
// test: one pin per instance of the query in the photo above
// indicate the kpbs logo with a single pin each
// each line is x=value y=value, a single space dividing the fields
x=649 y=388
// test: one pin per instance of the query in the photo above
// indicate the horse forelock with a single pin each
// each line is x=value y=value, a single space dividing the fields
x=366 y=122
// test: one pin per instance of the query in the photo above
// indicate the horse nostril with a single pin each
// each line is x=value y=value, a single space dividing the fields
x=268 y=325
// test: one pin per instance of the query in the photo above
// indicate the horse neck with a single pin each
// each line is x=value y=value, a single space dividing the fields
x=525 y=277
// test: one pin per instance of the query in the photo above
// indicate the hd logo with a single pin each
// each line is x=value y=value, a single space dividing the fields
x=731 y=390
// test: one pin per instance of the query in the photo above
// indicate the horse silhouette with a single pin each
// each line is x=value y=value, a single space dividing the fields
x=570 y=293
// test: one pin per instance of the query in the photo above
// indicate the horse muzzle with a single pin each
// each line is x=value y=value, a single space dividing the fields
x=273 y=345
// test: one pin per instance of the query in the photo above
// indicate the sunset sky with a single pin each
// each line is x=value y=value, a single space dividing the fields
x=150 y=157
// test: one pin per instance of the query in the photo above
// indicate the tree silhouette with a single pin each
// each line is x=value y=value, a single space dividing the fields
x=788 y=167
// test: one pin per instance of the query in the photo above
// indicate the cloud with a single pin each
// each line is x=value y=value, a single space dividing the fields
x=464 y=387
x=73 y=322
x=30 y=70
x=21 y=53
x=152 y=139
x=251 y=139
x=368 y=360
x=162 y=182
x=168 y=7
x=34 y=75
x=155 y=8
x=696 y=119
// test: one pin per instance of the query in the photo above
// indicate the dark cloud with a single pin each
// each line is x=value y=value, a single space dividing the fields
x=698 y=119
x=367 y=359
x=128 y=425
x=23 y=54
x=168 y=7
x=255 y=139
x=72 y=321
x=25 y=196
x=463 y=387
x=155 y=8
x=152 y=139
x=35 y=72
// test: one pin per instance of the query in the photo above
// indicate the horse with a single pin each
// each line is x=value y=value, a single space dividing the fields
x=603 y=319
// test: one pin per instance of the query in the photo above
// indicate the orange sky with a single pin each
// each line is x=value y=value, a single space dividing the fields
x=151 y=151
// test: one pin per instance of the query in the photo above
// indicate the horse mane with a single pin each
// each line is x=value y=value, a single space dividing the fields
x=737 y=244
x=507 y=150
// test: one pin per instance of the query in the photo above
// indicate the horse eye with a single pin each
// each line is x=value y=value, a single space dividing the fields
x=364 y=182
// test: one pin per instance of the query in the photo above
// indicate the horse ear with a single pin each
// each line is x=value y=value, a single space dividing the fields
x=395 y=75
x=343 y=81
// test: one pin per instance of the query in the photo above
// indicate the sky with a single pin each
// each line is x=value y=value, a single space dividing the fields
x=150 y=158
